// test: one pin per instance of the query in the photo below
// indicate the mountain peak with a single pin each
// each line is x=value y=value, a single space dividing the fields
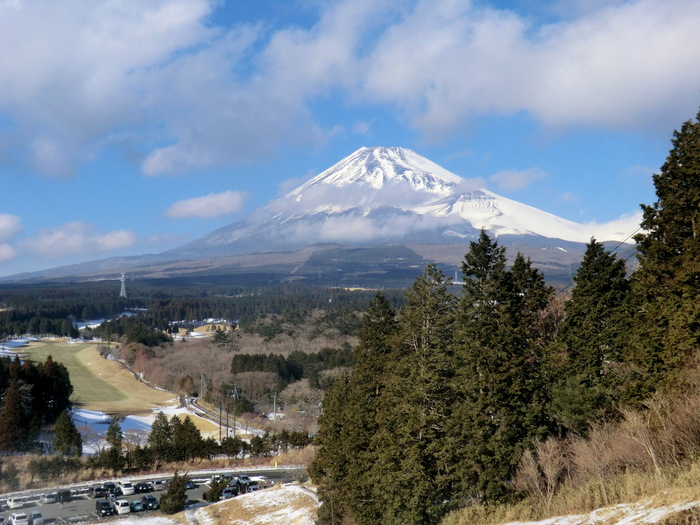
x=379 y=167
x=390 y=194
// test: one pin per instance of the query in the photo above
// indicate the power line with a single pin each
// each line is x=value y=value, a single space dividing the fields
x=611 y=251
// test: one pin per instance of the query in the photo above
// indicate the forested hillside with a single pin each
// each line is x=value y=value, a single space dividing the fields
x=489 y=397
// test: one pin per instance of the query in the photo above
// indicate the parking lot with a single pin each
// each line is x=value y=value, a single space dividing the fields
x=74 y=504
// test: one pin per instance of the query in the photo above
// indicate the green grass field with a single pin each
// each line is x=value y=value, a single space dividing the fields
x=99 y=384
x=87 y=385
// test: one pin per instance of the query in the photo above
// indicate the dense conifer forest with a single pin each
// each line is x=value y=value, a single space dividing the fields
x=32 y=396
x=455 y=401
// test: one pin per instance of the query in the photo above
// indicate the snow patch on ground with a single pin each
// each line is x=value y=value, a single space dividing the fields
x=624 y=514
x=283 y=505
x=93 y=425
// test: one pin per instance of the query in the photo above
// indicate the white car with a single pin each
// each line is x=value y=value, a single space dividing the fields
x=159 y=484
x=16 y=503
x=127 y=488
x=121 y=506
x=19 y=518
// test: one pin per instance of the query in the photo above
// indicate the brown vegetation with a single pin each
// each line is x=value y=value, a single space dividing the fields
x=651 y=452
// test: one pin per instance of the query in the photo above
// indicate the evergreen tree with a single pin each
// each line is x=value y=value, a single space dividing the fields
x=334 y=458
x=500 y=380
x=215 y=489
x=667 y=283
x=413 y=476
x=113 y=456
x=344 y=465
x=594 y=377
x=190 y=439
x=67 y=440
x=55 y=389
x=160 y=438
x=15 y=429
x=174 y=499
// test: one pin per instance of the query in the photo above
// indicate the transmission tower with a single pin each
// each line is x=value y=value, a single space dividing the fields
x=122 y=293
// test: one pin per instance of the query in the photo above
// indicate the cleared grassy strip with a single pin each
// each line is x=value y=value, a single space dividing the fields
x=100 y=384
x=88 y=386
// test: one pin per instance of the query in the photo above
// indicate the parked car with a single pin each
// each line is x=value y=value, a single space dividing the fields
x=159 y=484
x=150 y=502
x=121 y=506
x=35 y=518
x=143 y=487
x=49 y=497
x=97 y=492
x=126 y=488
x=16 y=503
x=19 y=518
x=136 y=505
x=110 y=487
x=229 y=492
x=190 y=485
x=103 y=508
x=63 y=495
x=243 y=479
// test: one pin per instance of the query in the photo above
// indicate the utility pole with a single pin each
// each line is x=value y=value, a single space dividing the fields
x=274 y=406
x=235 y=395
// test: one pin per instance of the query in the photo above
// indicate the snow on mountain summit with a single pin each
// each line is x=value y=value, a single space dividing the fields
x=382 y=168
x=383 y=194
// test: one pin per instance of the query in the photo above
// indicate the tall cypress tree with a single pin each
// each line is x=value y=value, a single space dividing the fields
x=55 y=389
x=594 y=378
x=343 y=467
x=500 y=379
x=114 y=456
x=667 y=284
x=413 y=469
x=67 y=440
x=334 y=459
x=15 y=428
x=160 y=438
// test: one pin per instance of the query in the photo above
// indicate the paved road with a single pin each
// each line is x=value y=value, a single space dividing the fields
x=81 y=506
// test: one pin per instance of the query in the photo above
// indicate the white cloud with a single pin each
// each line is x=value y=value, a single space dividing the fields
x=212 y=205
x=10 y=225
x=77 y=238
x=79 y=76
x=516 y=179
x=566 y=197
x=445 y=61
x=363 y=128
x=7 y=252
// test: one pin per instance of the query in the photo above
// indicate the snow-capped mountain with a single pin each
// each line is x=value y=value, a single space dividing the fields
x=379 y=195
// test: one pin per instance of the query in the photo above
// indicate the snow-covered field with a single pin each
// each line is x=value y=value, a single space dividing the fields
x=624 y=514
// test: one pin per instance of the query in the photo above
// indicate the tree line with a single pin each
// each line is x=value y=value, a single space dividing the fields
x=295 y=366
x=448 y=395
x=177 y=440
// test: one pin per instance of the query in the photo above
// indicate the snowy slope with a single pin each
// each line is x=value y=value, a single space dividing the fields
x=378 y=195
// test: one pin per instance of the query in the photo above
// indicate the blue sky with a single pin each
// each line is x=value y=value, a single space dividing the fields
x=131 y=127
